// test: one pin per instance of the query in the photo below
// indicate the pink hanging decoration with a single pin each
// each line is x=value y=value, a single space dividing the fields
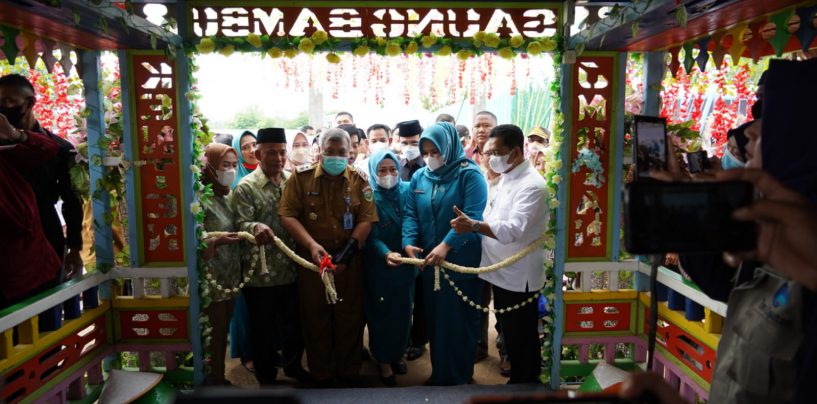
x=472 y=90
x=490 y=82
x=461 y=73
x=406 y=90
x=513 y=79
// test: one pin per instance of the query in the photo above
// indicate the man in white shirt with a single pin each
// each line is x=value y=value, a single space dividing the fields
x=516 y=215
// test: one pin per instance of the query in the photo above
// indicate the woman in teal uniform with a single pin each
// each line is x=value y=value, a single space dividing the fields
x=239 y=338
x=449 y=179
x=389 y=289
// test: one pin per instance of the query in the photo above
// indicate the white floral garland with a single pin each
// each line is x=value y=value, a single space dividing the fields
x=234 y=291
x=485 y=309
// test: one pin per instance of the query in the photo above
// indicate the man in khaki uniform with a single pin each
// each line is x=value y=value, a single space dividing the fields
x=329 y=208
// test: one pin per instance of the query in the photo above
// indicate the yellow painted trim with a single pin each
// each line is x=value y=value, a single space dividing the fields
x=24 y=352
x=627 y=294
x=713 y=323
x=696 y=329
x=151 y=302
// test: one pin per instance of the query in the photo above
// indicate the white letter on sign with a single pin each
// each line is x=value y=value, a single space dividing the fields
x=235 y=17
x=268 y=24
x=305 y=19
x=395 y=30
x=345 y=17
x=500 y=19
x=540 y=19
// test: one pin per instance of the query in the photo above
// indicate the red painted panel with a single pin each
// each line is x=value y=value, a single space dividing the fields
x=153 y=324
x=31 y=375
x=587 y=203
x=697 y=356
x=157 y=148
x=711 y=22
x=594 y=317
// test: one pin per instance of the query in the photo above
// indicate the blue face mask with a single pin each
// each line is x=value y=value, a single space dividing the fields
x=334 y=165
x=729 y=161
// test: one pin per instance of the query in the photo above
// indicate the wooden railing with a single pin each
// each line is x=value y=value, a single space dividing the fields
x=52 y=345
x=611 y=322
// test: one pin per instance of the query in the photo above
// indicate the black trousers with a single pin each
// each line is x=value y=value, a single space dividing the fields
x=520 y=329
x=482 y=342
x=274 y=323
x=419 y=334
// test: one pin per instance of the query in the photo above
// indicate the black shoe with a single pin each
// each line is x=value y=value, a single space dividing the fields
x=414 y=352
x=399 y=368
x=300 y=374
x=389 y=381
x=480 y=355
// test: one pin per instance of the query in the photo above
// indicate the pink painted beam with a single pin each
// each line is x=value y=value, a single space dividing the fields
x=170 y=360
x=144 y=361
x=94 y=364
x=584 y=353
x=610 y=353
x=76 y=390
x=684 y=379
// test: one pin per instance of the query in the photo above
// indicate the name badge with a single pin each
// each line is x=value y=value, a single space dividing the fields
x=348 y=221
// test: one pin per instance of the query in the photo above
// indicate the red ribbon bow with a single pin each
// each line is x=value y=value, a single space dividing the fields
x=326 y=265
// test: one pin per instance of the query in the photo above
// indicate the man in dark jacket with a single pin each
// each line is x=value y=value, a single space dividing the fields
x=49 y=181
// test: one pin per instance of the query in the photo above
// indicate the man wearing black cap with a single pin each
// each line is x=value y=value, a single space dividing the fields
x=412 y=160
x=272 y=297
x=329 y=209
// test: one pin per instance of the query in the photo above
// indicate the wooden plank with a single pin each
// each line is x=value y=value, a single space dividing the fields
x=597 y=295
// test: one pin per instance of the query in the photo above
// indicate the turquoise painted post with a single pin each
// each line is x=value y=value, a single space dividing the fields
x=100 y=201
x=653 y=75
x=128 y=108
x=557 y=305
x=188 y=194
x=618 y=152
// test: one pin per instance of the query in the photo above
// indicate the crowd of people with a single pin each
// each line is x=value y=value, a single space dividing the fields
x=366 y=199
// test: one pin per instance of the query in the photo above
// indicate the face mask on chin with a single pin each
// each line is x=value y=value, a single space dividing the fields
x=411 y=152
x=301 y=155
x=226 y=177
x=434 y=163
x=377 y=146
x=386 y=181
x=729 y=161
x=333 y=165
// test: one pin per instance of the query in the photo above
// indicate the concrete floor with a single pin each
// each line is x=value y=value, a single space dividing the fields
x=486 y=372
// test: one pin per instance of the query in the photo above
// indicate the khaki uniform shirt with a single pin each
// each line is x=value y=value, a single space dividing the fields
x=320 y=201
x=256 y=200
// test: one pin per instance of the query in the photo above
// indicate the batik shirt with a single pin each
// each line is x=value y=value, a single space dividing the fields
x=224 y=267
x=256 y=200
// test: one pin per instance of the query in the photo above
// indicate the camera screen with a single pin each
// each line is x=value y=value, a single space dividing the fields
x=690 y=217
x=651 y=146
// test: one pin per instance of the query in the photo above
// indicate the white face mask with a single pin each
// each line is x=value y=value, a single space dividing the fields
x=411 y=152
x=386 y=181
x=377 y=146
x=226 y=177
x=301 y=155
x=434 y=163
x=500 y=164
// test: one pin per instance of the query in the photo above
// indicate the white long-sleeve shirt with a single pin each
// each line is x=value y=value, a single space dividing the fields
x=517 y=214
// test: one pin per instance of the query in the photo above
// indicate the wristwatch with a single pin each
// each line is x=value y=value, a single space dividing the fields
x=475 y=226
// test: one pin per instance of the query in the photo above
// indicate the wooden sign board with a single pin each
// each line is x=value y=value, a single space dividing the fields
x=530 y=20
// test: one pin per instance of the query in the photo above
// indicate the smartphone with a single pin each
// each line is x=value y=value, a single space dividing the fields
x=650 y=145
x=697 y=161
x=693 y=217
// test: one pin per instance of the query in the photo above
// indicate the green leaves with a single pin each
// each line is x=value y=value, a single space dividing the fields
x=681 y=16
